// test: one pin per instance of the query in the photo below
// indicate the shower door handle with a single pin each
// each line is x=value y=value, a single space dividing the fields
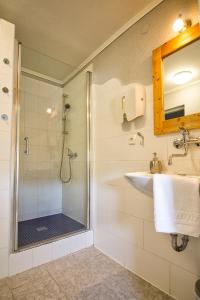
x=26 y=151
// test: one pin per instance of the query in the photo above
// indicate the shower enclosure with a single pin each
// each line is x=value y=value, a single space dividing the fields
x=51 y=125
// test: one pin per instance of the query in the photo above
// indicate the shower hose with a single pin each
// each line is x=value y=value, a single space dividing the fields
x=65 y=180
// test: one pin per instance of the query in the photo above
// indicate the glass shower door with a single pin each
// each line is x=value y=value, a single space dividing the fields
x=53 y=171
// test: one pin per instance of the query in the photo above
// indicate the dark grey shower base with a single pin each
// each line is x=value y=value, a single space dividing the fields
x=44 y=228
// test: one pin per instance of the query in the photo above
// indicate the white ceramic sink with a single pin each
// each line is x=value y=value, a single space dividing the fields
x=143 y=181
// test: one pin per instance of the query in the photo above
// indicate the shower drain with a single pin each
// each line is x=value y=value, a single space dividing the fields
x=42 y=228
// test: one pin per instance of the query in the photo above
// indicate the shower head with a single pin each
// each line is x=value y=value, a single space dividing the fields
x=67 y=106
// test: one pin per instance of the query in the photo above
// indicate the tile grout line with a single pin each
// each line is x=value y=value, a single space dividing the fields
x=54 y=280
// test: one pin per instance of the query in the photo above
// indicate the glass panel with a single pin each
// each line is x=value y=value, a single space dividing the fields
x=53 y=152
x=182 y=82
x=75 y=193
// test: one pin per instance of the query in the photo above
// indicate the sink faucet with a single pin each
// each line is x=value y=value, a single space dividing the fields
x=177 y=155
x=184 y=143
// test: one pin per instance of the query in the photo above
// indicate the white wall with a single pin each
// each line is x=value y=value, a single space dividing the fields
x=74 y=192
x=40 y=189
x=124 y=227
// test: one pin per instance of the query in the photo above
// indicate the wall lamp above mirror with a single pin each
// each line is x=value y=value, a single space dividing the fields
x=180 y=24
x=176 y=82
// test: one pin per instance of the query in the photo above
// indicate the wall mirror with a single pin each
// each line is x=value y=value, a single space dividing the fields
x=176 y=80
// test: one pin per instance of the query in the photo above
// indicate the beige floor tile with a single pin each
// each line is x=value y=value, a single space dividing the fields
x=130 y=286
x=87 y=253
x=44 y=288
x=3 y=282
x=85 y=275
x=5 y=292
x=83 y=272
x=38 y=295
x=98 y=292
x=26 y=277
x=86 y=270
x=59 y=265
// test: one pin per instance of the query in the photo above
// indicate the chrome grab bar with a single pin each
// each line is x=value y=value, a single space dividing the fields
x=26 y=151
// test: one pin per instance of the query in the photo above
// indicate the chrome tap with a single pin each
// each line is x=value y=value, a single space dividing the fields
x=184 y=143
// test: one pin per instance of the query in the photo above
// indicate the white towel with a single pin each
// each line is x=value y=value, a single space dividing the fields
x=176 y=204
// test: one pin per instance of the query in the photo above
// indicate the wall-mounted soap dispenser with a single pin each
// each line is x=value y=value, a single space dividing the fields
x=133 y=101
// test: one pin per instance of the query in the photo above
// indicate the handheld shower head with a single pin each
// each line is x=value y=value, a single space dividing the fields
x=67 y=106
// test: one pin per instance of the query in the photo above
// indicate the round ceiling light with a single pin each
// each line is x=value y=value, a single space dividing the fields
x=182 y=77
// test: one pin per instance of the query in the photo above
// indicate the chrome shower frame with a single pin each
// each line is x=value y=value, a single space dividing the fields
x=15 y=161
x=88 y=143
x=15 y=149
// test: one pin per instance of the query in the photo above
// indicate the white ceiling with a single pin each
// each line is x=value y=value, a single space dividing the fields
x=68 y=30
x=44 y=64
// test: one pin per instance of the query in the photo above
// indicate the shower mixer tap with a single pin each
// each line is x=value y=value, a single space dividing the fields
x=71 y=154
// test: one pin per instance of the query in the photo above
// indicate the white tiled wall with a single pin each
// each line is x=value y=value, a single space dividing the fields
x=74 y=192
x=123 y=223
x=40 y=186
x=28 y=259
x=6 y=79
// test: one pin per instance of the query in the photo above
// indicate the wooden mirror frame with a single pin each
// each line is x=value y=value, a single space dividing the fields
x=162 y=126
